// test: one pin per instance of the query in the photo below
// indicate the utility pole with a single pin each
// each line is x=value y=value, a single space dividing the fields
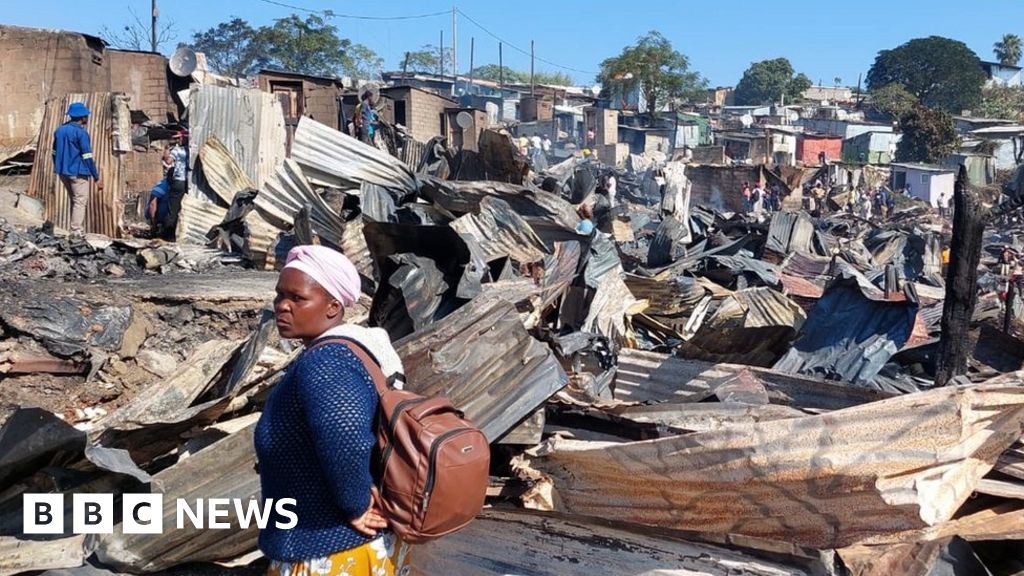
x=533 y=87
x=455 y=47
x=153 y=14
x=501 y=83
x=440 y=59
x=472 y=46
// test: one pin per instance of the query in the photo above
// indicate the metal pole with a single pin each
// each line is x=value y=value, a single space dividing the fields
x=472 y=46
x=455 y=47
x=533 y=87
x=154 y=13
x=501 y=83
x=440 y=60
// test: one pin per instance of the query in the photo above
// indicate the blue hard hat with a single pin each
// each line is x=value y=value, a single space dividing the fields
x=77 y=110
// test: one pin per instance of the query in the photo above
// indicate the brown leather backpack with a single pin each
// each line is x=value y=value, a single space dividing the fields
x=433 y=464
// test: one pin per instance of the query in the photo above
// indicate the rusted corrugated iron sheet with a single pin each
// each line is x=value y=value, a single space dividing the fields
x=653 y=377
x=222 y=172
x=503 y=542
x=482 y=359
x=753 y=326
x=330 y=158
x=825 y=481
x=249 y=122
x=104 y=212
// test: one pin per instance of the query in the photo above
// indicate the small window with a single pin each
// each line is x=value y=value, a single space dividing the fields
x=924 y=178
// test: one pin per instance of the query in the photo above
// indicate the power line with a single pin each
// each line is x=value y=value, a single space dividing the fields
x=517 y=48
x=333 y=14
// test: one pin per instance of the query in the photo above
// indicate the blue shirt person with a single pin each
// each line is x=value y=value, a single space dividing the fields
x=73 y=162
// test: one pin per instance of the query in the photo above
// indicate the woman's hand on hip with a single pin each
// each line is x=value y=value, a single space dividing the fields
x=373 y=519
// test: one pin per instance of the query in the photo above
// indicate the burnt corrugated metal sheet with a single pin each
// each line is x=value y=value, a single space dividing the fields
x=653 y=377
x=671 y=297
x=561 y=545
x=287 y=192
x=807 y=266
x=330 y=158
x=790 y=232
x=753 y=326
x=501 y=232
x=482 y=358
x=249 y=122
x=822 y=481
x=104 y=212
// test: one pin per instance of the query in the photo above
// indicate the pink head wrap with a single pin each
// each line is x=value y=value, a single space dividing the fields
x=329 y=268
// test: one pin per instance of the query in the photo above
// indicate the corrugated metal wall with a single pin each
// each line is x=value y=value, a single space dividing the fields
x=104 y=212
x=249 y=122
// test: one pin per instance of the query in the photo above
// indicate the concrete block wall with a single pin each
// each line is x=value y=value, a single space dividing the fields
x=37 y=65
x=143 y=77
x=142 y=170
x=721 y=186
x=321 y=103
x=423 y=112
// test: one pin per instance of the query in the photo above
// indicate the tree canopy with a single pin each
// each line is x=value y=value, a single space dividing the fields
x=232 y=48
x=428 y=58
x=929 y=135
x=893 y=99
x=769 y=81
x=493 y=73
x=1008 y=49
x=940 y=72
x=306 y=46
x=651 y=65
x=1006 y=102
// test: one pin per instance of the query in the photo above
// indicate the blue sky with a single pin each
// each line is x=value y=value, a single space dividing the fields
x=823 y=39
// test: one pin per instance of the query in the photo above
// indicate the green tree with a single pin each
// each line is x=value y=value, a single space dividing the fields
x=651 y=65
x=1008 y=50
x=232 y=48
x=310 y=46
x=1001 y=102
x=769 y=81
x=361 y=62
x=493 y=73
x=427 y=59
x=929 y=135
x=940 y=72
x=893 y=99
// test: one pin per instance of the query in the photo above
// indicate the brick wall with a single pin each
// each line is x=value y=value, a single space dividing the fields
x=142 y=170
x=321 y=103
x=40 y=64
x=720 y=186
x=143 y=77
x=423 y=112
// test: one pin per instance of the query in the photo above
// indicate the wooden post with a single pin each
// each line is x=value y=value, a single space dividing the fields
x=961 y=282
x=1011 y=294
x=405 y=66
x=440 y=60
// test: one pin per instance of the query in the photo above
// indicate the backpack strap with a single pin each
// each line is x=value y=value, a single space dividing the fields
x=365 y=356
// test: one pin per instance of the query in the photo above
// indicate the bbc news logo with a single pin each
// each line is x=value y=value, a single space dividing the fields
x=144 y=513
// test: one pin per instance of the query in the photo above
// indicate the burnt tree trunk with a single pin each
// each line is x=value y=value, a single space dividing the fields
x=961 y=281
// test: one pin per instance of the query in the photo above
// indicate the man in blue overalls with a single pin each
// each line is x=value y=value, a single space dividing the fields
x=73 y=162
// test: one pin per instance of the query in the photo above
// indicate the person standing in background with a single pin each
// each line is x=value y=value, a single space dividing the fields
x=176 y=165
x=73 y=162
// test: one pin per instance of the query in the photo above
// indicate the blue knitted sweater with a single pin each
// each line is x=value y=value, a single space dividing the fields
x=314 y=443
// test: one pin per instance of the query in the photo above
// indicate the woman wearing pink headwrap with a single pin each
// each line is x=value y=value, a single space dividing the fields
x=315 y=438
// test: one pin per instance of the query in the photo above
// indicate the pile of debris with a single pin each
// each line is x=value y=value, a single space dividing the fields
x=688 y=390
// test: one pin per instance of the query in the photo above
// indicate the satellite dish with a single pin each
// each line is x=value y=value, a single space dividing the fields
x=464 y=119
x=841 y=114
x=747 y=120
x=183 y=62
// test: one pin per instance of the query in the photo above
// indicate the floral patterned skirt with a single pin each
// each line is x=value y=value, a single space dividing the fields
x=385 y=556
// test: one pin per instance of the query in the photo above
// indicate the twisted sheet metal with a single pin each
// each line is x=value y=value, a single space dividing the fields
x=482 y=359
x=330 y=158
x=822 y=481
x=223 y=174
x=103 y=213
x=501 y=232
x=249 y=122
